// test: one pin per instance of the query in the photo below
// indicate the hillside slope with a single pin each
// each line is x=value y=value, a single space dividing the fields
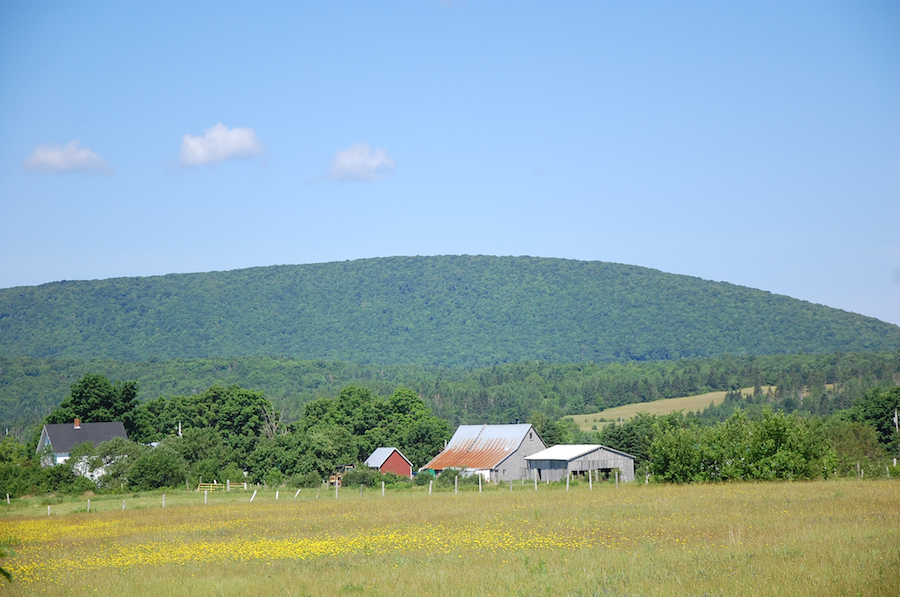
x=450 y=311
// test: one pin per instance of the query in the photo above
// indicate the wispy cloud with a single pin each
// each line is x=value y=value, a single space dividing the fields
x=54 y=158
x=359 y=162
x=218 y=144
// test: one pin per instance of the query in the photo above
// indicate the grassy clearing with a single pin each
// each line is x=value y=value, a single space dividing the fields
x=819 y=538
x=657 y=407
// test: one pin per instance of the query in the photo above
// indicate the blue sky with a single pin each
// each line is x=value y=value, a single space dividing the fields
x=756 y=143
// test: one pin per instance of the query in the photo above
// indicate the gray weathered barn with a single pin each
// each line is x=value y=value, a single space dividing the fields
x=496 y=452
x=555 y=463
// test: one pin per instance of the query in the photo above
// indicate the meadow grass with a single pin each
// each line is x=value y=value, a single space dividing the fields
x=657 y=407
x=839 y=537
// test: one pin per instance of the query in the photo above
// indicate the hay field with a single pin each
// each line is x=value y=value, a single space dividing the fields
x=657 y=407
x=818 y=538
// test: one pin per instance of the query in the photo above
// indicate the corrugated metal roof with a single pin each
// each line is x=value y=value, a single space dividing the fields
x=380 y=455
x=564 y=452
x=570 y=452
x=480 y=447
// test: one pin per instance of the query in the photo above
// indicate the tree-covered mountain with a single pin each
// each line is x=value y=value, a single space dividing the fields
x=450 y=311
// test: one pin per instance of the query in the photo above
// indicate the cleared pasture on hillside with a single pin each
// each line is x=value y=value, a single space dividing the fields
x=657 y=407
x=818 y=538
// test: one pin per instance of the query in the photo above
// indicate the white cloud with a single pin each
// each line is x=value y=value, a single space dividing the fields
x=359 y=162
x=219 y=144
x=53 y=158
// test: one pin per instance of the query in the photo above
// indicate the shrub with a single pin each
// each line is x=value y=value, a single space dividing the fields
x=160 y=467
x=311 y=479
x=446 y=478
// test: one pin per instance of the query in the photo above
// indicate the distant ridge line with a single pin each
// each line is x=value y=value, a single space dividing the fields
x=448 y=311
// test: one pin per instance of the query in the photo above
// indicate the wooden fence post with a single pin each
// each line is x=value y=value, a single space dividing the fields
x=227 y=484
x=296 y=494
x=89 y=506
x=205 y=495
x=510 y=485
x=254 y=495
x=617 y=478
x=123 y=505
x=567 y=480
x=429 y=486
x=48 y=510
x=479 y=482
x=276 y=495
x=535 y=479
x=591 y=480
x=7 y=495
x=382 y=489
x=164 y=501
x=456 y=484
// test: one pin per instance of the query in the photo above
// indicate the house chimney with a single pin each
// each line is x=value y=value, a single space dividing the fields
x=77 y=423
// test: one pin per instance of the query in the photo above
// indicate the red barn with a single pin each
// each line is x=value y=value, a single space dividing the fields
x=390 y=460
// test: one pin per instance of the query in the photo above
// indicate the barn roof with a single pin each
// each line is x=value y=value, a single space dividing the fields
x=65 y=436
x=380 y=456
x=569 y=452
x=480 y=447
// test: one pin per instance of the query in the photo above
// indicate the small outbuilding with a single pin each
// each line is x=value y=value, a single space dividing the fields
x=64 y=436
x=390 y=460
x=556 y=463
x=496 y=452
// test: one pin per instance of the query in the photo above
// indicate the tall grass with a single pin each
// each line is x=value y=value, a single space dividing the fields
x=818 y=538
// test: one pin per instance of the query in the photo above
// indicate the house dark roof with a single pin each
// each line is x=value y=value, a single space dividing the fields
x=63 y=437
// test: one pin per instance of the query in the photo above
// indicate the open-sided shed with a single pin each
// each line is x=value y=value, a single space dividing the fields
x=390 y=460
x=556 y=463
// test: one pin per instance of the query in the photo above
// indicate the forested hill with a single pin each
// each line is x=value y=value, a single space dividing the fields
x=452 y=311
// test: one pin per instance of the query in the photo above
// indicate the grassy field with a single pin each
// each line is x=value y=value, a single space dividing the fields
x=657 y=407
x=818 y=538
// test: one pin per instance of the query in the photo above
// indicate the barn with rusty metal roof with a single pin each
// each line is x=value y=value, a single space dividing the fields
x=497 y=452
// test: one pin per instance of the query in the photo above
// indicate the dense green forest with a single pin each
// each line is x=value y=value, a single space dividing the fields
x=450 y=311
x=814 y=384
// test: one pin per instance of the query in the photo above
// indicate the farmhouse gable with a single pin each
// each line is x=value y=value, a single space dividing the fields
x=63 y=437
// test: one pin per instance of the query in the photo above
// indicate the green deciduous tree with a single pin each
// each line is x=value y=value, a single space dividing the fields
x=159 y=467
x=95 y=399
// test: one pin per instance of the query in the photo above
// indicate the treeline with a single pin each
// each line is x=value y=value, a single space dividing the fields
x=450 y=311
x=223 y=433
x=759 y=442
x=815 y=384
x=236 y=434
